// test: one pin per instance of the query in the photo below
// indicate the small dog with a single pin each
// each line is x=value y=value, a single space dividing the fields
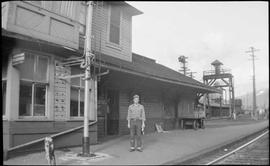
x=49 y=150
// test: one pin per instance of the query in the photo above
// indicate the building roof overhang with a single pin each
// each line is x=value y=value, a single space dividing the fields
x=140 y=65
x=127 y=7
x=24 y=41
x=146 y=67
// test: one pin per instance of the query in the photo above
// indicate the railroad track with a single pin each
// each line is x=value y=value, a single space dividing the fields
x=253 y=149
x=254 y=152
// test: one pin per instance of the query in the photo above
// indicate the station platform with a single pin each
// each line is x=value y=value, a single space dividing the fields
x=158 y=148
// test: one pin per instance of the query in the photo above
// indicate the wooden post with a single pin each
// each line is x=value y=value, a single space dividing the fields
x=233 y=101
x=209 y=108
x=204 y=101
x=220 y=106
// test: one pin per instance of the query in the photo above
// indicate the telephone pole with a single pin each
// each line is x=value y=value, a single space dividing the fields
x=191 y=74
x=86 y=64
x=252 y=50
x=183 y=60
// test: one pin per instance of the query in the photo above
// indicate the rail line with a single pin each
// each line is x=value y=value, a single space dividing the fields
x=235 y=150
x=224 y=151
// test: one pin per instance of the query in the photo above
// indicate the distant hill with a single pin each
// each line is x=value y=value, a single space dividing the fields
x=262 y=99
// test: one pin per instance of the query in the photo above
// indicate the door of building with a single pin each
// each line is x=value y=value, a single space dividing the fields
x=113 y=113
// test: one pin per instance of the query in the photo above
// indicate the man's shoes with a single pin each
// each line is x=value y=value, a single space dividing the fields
x=139 y=149
x=132 y=149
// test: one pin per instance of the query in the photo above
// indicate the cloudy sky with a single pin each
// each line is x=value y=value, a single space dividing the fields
x=204 y=32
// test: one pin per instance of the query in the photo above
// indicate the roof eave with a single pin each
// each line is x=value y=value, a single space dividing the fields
x=202 y=89
x=127 y=7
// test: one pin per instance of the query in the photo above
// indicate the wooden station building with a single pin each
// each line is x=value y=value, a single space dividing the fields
x=38 y=37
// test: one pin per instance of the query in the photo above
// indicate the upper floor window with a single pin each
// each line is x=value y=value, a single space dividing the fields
x=114 y=31
x=33 y=86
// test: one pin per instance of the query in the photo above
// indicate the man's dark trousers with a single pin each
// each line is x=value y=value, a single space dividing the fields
x=135 y=132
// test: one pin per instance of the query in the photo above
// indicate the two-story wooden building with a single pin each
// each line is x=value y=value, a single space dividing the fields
x=37 y=39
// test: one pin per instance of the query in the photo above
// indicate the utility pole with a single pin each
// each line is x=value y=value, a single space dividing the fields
x=183 y=60
x=87 y=65
x=252 y=50
x=191 y=74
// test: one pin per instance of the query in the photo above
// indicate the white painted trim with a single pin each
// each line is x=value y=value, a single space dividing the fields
x=80 y=90
x=73 y=118
x=42 y=7
x=4 y=118
x=32 y=118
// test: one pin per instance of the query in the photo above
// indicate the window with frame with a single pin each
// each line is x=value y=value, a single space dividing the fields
x=76 y=94
x=114 y=31
x=33 y=86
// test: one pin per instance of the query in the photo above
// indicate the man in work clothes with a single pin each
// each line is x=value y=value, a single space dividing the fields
x=136 y=118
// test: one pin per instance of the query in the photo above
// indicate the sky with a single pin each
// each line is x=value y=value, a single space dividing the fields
x=204 y=32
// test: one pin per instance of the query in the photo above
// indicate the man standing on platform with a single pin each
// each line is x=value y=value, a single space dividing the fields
x=136 y=119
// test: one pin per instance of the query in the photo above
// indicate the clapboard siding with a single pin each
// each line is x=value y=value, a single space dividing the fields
x=51 y=20
x=67 y=140
x=25 y=131
x=100 y=41
x=64 y=8
x=185 y=106
x=153 y=104
x=151 y=100
x=153 y=108
x=40 y=21
x=101 y=127
x=149 y=125
x=123 y=104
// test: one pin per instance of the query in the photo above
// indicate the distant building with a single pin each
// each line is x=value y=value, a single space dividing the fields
x=238 y=106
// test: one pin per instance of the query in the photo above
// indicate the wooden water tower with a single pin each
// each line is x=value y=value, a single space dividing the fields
x=225 y=76
x=217 y=64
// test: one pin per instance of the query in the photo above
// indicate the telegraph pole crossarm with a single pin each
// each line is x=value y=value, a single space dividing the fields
x=183 y=60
